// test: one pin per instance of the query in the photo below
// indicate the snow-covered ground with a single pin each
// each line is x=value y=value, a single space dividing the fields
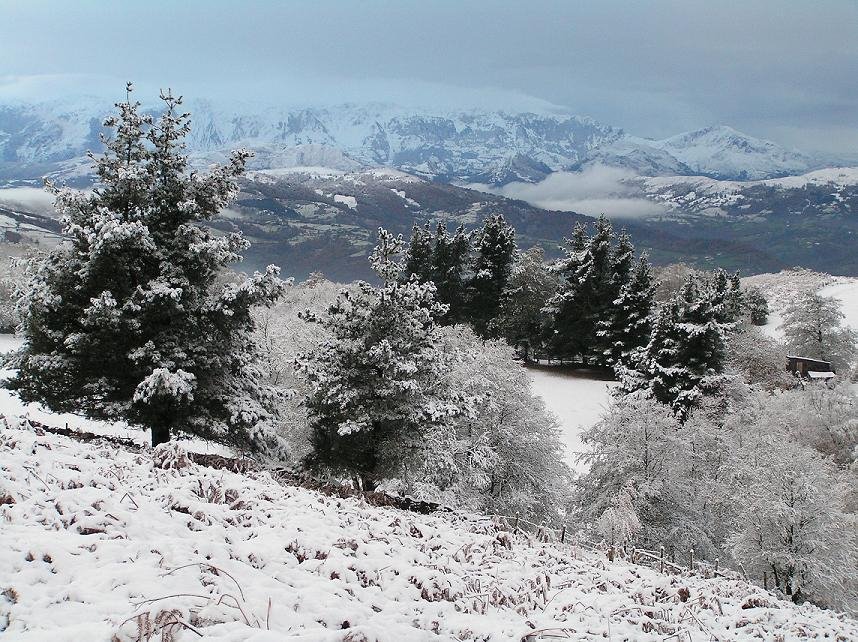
x=100 y=543
x=577 y=401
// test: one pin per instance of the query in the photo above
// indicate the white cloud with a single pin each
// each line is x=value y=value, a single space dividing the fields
x=595 y=190
x=31 y=199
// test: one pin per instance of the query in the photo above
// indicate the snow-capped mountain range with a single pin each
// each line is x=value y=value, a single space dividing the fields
x=492 y=147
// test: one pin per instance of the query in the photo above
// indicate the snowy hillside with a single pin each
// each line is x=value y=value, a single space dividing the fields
x=784 y=287
x=104 y=543
x=475 y=146
x=826 y=191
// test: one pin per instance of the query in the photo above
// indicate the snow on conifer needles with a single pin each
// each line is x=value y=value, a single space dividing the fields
x=100 y=543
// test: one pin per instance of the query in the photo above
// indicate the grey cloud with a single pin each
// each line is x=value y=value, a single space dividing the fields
x=595 y=190
x=656 y=68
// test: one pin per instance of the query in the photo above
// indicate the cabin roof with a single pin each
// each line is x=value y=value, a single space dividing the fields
x=792 y=356
x=820 y=375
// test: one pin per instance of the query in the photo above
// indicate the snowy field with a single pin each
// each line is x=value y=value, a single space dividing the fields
x=577 y=401
x=100 y=543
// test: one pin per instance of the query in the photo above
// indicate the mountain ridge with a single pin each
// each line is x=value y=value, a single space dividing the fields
x=473 y=146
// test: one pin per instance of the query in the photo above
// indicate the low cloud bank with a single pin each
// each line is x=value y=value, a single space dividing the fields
x=30 y=199
x=593 y=191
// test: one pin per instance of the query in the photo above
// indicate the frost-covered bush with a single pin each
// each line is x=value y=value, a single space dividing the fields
x=619 y=523
x=791 y=519
x=503 y=454
x=759 y=359
x=633 y=449
x=826 y=419
x=784 y=287
x=282 y=333
x=170 y=456
x=12 y=281
x=765 y=481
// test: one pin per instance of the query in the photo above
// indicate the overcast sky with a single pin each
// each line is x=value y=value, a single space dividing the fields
x=785 y=70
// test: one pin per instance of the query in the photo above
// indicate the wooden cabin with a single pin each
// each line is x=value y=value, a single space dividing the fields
x=810 y=368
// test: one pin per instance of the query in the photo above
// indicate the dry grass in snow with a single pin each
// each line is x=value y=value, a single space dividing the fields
x=103 y=543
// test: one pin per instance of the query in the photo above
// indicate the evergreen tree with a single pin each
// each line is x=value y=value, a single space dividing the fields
x=812 y=328
x=127 y=319
x=655 y=370
x=373 y=383
x=686 y=355
x=626 y=330
x=756 y=306
x=725 y=296
x=610 y=324
x=586 y=293
x=492 y=267
x=522 y=321
x=622 y=262
x=735 y=298
x=449 y=261
x=703 y=334
x=418 y=257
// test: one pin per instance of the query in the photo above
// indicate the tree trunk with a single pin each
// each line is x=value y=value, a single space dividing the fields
x=368 y=483
x=160 y=435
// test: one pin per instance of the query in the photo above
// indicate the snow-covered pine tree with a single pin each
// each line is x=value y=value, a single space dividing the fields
x=702 y=341
x=686 y=354
x=735 y=297
x=418 y=256
x=560 y=308
x=522 y=321
x=755 y=305
x=725 y=294
x=449 y=262
x=812 y=328
x=128 y=319
x=494 y=247
x=585 y=295
x=654 y=370
x=625 y=324
x=373 y=384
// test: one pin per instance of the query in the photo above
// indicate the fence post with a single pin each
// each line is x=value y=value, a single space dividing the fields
x=563 y=535
x=691 y=560
x=515 y=527
x=634 y=554
x=765 y=580
x=661 y=561
x=716 y=567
